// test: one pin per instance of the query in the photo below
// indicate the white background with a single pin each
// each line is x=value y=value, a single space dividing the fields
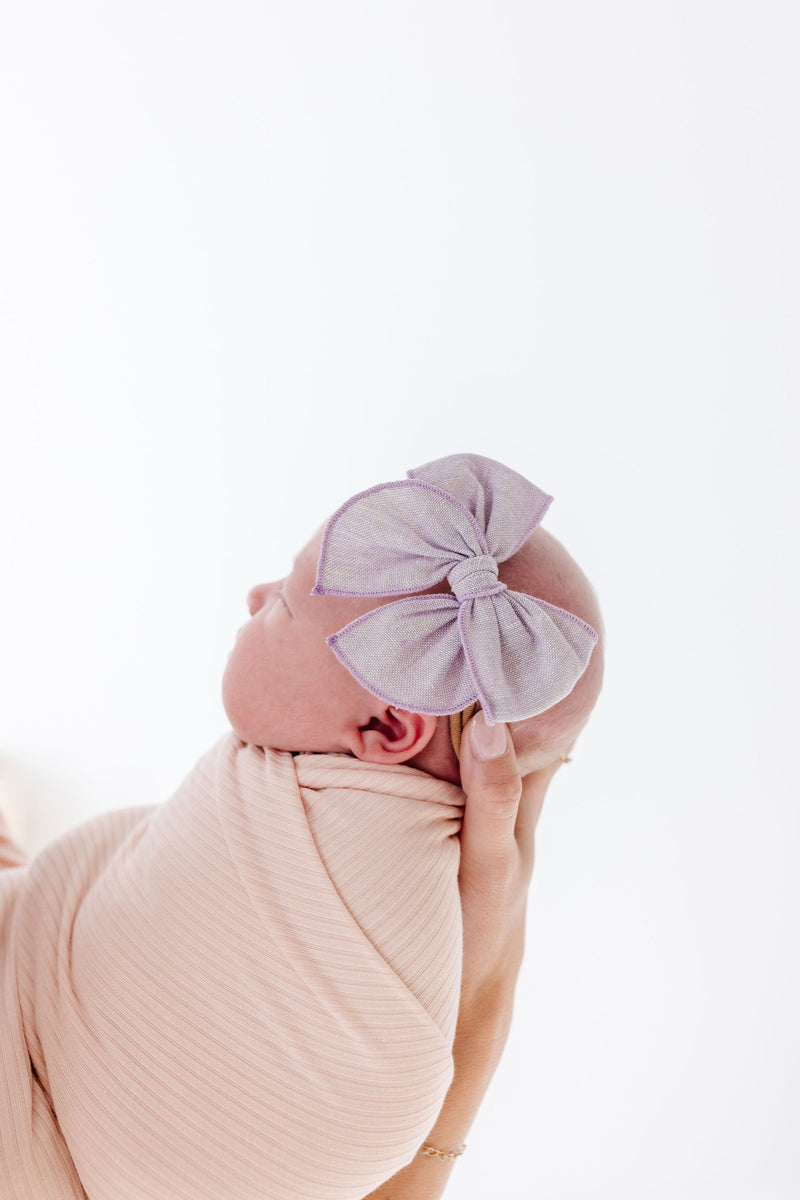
x=255 y=257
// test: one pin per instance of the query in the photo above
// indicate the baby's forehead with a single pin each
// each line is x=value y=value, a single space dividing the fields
x=324 y=614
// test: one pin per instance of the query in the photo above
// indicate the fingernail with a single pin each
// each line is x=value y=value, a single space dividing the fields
x=488 y=741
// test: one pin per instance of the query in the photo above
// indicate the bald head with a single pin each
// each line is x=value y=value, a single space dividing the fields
x=543 y=568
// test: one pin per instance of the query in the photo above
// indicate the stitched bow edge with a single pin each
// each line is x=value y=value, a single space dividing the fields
x=341 y=644
x=474 y=465
x=434 y=575
x=482 y=483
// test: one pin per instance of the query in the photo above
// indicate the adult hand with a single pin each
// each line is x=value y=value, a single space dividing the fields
x=497 y=851
x=497 y=854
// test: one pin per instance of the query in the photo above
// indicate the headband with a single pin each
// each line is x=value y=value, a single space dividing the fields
x=455 y=518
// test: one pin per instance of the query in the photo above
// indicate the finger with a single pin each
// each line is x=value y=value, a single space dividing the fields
x=493 y=789
x=534 y=789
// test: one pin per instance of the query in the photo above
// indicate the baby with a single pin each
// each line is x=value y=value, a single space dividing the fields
x=251 y=990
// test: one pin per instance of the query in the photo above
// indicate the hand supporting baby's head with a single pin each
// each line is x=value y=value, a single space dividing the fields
x=295 y=682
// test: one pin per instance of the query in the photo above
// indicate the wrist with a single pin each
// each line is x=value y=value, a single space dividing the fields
x=484 y=1019
x=484 y=1022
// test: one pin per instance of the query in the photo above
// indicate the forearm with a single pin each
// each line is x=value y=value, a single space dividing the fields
x=483 y=1025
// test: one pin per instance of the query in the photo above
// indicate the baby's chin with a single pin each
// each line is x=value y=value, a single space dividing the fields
x=238 y=719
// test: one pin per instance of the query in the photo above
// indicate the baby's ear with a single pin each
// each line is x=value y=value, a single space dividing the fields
x=392 y=737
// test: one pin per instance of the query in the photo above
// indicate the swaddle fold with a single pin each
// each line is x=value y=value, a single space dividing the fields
x=248 y=991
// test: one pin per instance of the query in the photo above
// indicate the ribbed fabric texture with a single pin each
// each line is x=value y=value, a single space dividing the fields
x=249 y=991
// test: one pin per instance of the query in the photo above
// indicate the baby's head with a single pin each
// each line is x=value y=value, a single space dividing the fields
x=284 y=686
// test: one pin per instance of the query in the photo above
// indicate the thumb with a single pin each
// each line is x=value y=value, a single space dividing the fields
x=493 y=788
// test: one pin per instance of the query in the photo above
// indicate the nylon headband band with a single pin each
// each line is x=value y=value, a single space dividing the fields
x=457 y=722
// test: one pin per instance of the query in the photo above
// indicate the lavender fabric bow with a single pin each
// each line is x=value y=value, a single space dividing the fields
x=457 y=517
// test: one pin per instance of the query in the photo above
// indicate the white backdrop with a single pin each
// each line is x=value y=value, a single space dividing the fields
x=255 y=257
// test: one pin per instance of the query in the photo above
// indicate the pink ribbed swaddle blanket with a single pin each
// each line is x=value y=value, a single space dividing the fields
x=248 y=991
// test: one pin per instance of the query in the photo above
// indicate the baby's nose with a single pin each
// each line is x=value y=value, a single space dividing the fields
x=256 y=597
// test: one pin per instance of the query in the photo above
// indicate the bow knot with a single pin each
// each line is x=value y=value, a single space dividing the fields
x=473 y=577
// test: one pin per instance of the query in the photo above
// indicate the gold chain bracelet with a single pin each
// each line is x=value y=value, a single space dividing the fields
x=432 y=1152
